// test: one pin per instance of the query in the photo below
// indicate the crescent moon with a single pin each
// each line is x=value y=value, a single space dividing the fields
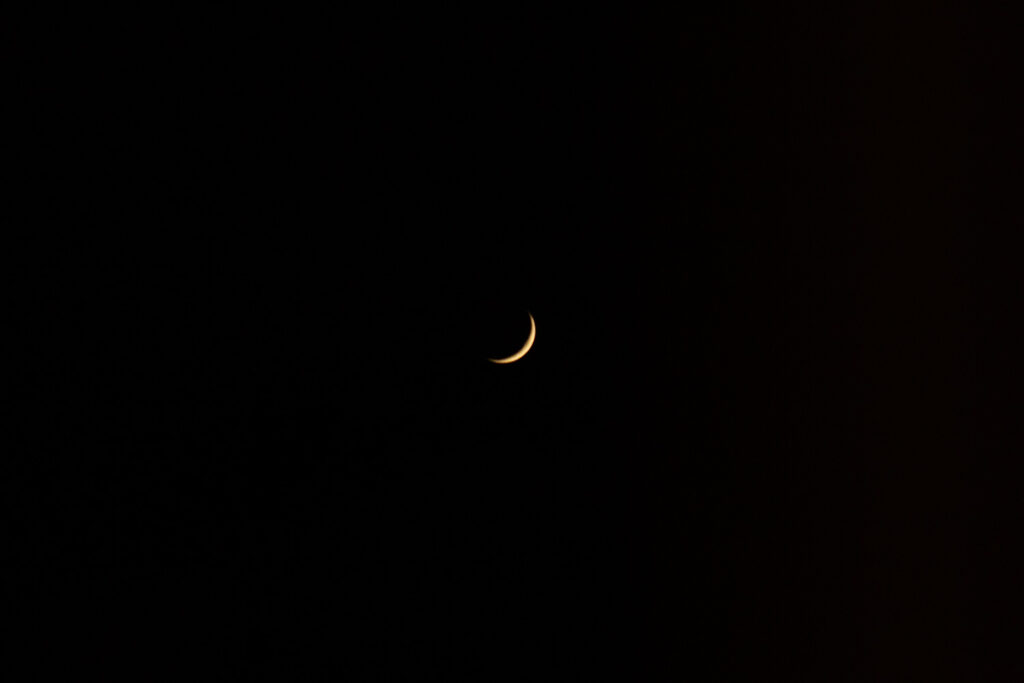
x=526 y=347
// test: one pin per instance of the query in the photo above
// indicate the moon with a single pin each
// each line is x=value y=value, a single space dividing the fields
x=526 y=347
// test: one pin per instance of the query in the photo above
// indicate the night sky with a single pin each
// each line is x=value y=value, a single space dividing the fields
x=259 y=435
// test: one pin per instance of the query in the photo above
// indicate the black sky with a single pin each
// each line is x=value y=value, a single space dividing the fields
x=259 y=432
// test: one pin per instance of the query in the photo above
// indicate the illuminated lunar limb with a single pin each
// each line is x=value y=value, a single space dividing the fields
x=526 y=347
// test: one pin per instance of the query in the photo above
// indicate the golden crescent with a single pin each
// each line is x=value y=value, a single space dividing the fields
x=526 y=347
